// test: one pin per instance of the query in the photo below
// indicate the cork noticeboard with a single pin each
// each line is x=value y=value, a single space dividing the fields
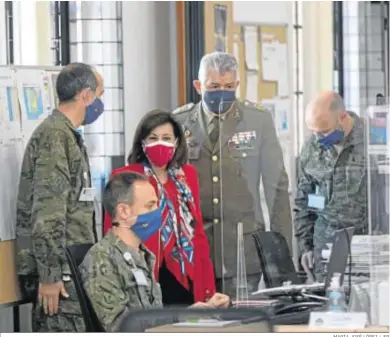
x=235 y=44
x=9 y=285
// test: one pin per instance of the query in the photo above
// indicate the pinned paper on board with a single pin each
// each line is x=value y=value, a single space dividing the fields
x=220 y=21
x=236 y=53
x=252 y=87
x=33 y=98
x=251 y=41
x=274 y=60
x=10 y=126
x=279 y=109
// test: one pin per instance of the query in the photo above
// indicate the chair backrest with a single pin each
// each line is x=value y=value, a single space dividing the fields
x=275 y=259
x=75 y=256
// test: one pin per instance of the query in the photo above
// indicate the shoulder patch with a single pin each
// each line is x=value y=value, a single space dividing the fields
x=183 y=108
x=253 y=105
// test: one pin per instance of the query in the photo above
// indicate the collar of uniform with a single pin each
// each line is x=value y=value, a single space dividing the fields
x=137 y=256
x=356 y=136
x=61 y=117
x=210 y=115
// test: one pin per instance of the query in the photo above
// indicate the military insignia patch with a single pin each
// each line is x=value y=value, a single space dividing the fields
x=243 y=140
x=183 y=108
x=253 y=105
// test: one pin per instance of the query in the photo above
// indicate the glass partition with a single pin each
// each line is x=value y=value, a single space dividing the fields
x=244 y=186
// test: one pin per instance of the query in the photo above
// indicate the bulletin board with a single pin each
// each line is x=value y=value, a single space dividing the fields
x=222 y=34
x=27 y=97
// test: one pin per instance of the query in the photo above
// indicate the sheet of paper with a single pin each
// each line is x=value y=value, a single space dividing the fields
x=251 y=42
x=34 y=98
x=280 y=111
x=207 y=323
x=269 y=59
x=11 y=155
x=252 y=87
x=10 y=125
x=283 y=78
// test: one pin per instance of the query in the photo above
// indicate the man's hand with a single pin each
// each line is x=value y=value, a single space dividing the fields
x=49 y=296
x=219 y=300
x=307 y=260
x=200 y=305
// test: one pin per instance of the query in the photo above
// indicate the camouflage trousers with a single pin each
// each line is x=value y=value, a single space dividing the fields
x=230 y=285
x=68 y=318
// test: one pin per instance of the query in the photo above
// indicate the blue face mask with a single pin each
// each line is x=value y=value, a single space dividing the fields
x=219 y=101
x=93 y=111
x=147 y=224
x=331 y=139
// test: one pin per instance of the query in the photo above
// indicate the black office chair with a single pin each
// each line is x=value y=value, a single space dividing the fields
x=75 y=256
x=275 y=259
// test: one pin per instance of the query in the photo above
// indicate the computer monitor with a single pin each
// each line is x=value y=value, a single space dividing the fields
x=339 y=257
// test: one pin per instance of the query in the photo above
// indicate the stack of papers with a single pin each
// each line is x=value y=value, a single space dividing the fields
x=206 y=323
x=254 y=303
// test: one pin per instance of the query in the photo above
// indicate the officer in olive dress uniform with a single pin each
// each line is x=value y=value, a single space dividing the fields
x=234 y=146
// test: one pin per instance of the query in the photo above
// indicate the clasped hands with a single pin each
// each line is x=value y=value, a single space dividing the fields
x=216 y=301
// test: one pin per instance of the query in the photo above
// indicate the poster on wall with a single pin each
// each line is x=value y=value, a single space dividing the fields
x=220 y=19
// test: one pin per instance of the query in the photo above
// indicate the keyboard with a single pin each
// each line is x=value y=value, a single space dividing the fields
x=291 y=289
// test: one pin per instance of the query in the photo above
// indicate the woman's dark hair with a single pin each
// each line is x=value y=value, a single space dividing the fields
x=148 y=123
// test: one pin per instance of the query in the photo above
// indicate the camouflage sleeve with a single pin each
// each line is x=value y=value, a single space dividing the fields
x=303 y=219
x=275 y=179
x=105 y=289
x=51 y=187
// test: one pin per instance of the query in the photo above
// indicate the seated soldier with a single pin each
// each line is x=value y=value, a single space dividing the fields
x=117 y=272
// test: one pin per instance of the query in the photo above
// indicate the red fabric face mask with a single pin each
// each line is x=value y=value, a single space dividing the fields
x=160 y=153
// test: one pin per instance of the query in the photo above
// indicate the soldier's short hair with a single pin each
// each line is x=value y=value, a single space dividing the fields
x=148 y=123
x=73 y=78
x=120 y=189
x=218 y=61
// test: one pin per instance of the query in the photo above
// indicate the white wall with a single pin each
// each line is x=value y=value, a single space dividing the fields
x=3 y=45
x=147 y=55
x=32 y=33
x=317 y=52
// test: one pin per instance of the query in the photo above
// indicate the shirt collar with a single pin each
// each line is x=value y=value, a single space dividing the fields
x=210 y=115
x=142 y=258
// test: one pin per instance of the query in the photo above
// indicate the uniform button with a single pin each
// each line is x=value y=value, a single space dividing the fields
x=215 y=179
x=215 y=201
x=214 y=158
x=216 y=221
x=244 y=155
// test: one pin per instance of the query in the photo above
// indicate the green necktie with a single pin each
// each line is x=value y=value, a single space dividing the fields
x=214 y=130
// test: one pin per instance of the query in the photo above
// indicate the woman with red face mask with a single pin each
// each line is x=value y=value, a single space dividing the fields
x=183 y=265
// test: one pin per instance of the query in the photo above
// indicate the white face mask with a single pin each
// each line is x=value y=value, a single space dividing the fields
x=159 y=142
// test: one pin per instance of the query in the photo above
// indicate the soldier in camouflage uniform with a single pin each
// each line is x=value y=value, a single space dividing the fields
x=117 y=272
x=332 y=180
x=233 y=144
x=54 y=207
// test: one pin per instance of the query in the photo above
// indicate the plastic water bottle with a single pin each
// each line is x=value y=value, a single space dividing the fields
x=336 y=295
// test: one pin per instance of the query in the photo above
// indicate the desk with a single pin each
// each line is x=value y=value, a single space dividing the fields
x=259 y=327
x=9 y=288
x=305 y=328
x=253 y=327
x=15 y=311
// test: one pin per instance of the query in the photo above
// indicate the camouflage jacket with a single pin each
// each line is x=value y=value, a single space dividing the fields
x=341 y=178
x=109 y=273
x=54 y=171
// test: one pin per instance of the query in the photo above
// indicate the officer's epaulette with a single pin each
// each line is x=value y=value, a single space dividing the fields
x=253 y=105
x=183 y=108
